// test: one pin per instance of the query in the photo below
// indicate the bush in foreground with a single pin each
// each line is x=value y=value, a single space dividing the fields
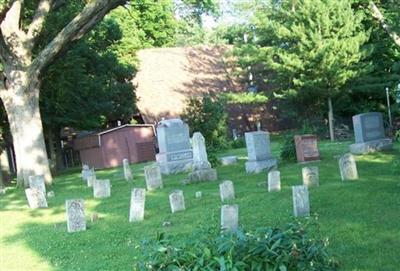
x=285 y=249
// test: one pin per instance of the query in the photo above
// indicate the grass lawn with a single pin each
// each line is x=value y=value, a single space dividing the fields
x=360 y=218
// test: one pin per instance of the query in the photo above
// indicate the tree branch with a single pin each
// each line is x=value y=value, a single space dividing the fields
x=93 y=12
x=37 y=23
x=376 y=13
x=10 y=22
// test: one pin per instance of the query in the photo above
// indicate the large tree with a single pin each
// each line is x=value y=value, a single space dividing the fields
x=22 y=69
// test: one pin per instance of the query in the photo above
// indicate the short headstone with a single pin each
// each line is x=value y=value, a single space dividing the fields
x=75 y=211
x=153 y=177
x=50 y=194
x=36 y=198
x=198 y=194
x=90 y=180
x=348 y=167
x=228 y=160
x=310 y=176
x=229 y=217
x=177 y=201
x=138 y=198
x=274 y=181
x=175 y=154
x=369 y=133
x=306 y=148
x=301 y=202
x=259 y=152
x=226 y=190
x=37 y=181
x=86 y=172
x=101 y=188
x=127 y=170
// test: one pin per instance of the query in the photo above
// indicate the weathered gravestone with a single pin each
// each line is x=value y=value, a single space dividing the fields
x=229 y=217
x=259 y=152
x=86 y=172
x=138 y=198
x=127 y=170
x=369 y=134
x=175 y=154
x=274 y=181
x=152 y=174
x=36 y=198
x=226 y=190
x=301 y=202
x=37 y=181
x=101 y=188
x=91 y=178
x=202 y=170
x=75 y=211
x=228 y=160
x=348 y=167
x=310 y=176
x=306 y=148
x=177 y=201
x=198 y=194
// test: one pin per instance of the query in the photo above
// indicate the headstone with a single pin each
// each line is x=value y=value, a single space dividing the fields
x=369 y=134
x=36 y=198
x=37 y=181
x=228 y=160
x=274 y=181
x=306 y=148
x=229 y=217
x=86 y=172
x=75 y=211
x=310 y=176
x=259 y=152
x=177 y=201
x=127 y=170
x=348 y=167
x=301 y=202
x=226 y=190
x=50 y=194
x=138 y=198
x=198 y=194
x=153 y=177
x=91 y=179
x=101 y=188
x=174 y=144
x=202 y=170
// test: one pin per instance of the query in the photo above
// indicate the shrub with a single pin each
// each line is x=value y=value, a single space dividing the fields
x=238 y=143
x=289 y=248
x=288 y=148
x=206 y=114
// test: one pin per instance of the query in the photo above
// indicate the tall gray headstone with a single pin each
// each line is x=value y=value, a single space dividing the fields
x=138 y=198
x=348 y=167
x=259 y=152
x=229 y=217
x=174 y=145
x=202 y=170
x=301 y=202
x=153 y=177
x=101 y=188
x=177 y=201
x=310 y=176
x=226 y=190
x=75 y=211
x=37 y=181
x=369 y=134
x=36 y=198
x=127 y=170
x=274 y=181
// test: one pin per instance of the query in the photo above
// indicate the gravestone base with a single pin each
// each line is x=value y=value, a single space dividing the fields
x=172 y=167
x=371 y=146
x=203 y=175
x=259 y=166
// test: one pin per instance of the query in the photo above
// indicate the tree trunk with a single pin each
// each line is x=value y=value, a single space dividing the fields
x=52 y=151
x=59 y=154
x=23 y=113
x=4 y=168
x=330 y=119
x=377 y=14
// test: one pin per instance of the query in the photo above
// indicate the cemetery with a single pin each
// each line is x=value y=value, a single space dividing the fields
x=200 y=135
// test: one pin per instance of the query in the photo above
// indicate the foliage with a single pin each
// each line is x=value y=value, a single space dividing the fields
x=240 y=142
x=288 y=148
x=206 y=114
x=244 y=97
x=286 y=248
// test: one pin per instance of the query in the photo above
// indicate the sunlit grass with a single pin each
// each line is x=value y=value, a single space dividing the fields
x=361 y=218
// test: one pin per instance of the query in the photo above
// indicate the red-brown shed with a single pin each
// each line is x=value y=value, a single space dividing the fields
x=108 y=148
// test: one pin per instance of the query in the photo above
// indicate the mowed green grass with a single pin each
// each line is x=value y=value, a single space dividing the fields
x=360 y=218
